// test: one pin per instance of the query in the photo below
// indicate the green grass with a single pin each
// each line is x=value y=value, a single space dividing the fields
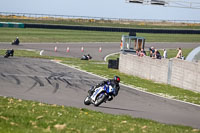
x=55 y=35
x=49 y=35
x=21 y=116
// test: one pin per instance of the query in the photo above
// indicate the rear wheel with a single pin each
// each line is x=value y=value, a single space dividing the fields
x=100 y=99
x=87 y=101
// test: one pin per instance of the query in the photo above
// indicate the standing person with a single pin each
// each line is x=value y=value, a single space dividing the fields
x=165 y=53
x=179 y=54
x=121 y=45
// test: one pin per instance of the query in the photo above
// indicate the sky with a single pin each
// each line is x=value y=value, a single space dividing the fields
x=99 y=8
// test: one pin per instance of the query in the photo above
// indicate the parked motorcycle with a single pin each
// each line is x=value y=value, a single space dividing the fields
x=100 y=95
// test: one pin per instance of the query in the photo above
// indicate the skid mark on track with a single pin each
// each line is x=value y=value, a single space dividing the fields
x=48 y=81
x=16 y=79
x=6 y=77
x=32 y=86
x=55 y=80
x=67 y=82
x=3 y=75
x=37 y=81
x=46 y=69
x=56 y=75
x=56 y=86
x=19 y=70
x=31 y=68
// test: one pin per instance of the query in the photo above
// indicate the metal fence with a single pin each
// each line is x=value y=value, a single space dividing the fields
x=55 y=17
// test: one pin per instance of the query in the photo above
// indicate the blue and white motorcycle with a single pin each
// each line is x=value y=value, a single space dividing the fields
x=100 y=95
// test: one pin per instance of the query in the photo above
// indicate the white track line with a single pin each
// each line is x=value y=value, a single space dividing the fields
x=105 y=58
x=126 y=85
x=41 y=52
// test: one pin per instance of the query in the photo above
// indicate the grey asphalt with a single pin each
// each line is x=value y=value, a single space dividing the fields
x=91 y=48
x=45 y=81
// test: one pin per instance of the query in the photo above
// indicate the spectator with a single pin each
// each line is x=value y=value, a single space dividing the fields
x=152 y=52
x=179 y=54
x=138 y=52
x=165 y=53
x=121 y=45
x=142 y=53
x=156 y=55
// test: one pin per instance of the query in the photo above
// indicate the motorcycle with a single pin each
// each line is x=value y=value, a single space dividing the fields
x=16 y=42
x=86 y=57
x=100 y=95
x=9 y=53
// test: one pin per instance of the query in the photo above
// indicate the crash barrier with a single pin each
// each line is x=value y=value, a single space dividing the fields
x=113 y=63
x=112 y=29
x=11 y=25
x=176 y=72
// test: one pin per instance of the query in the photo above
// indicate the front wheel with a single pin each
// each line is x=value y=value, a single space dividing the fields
x=87 y=101
x=100 y=99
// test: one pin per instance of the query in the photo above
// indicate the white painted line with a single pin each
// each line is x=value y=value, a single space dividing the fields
x=126 y=85
x=105 y=58
x=41 y=52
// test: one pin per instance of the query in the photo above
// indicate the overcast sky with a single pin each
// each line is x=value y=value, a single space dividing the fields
x=99 y=8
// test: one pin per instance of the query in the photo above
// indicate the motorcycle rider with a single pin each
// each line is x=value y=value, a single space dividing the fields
x=9 y=53
x=113 y=82
x=16 y=42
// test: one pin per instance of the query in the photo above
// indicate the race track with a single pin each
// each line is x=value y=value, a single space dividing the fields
x=91 y=48
x=46 y=81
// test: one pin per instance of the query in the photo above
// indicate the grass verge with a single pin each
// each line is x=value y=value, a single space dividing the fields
x=55 y=35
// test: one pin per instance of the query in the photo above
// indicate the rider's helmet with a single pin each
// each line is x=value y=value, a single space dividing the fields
x=117 y=79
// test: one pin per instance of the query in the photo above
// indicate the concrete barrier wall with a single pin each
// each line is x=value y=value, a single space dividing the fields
x=186 y=75
x=176 y=72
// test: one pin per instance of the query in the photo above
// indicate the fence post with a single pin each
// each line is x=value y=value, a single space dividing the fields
x=169 y=74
